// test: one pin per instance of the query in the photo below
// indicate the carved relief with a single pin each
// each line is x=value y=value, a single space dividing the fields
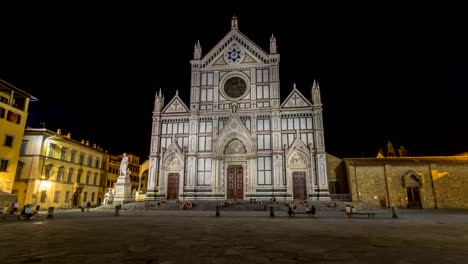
x=235 y=147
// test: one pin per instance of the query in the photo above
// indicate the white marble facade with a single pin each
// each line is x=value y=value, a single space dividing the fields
x=237 y=139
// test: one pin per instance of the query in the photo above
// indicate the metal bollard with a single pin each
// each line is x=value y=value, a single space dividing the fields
x=50 y=212
x=217 y=210
x=117 y=210
x=394 y=212
x=272 y=214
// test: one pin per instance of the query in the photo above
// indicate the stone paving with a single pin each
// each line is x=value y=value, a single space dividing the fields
x=417 y=236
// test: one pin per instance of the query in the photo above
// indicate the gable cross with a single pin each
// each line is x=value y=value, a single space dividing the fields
x=295 y=98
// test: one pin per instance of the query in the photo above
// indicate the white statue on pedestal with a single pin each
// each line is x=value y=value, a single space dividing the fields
x=124 y=164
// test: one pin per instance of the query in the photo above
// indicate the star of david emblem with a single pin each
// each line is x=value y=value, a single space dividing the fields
x=234 y=55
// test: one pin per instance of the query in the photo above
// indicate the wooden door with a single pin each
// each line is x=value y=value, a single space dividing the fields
x=235 y=182
x=414 y=198
x=299 y=185
x=173 y=186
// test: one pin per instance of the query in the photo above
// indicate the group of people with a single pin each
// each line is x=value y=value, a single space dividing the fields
x=309 y=211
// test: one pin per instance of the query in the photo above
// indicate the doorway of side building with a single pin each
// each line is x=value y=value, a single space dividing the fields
x=173 y=186
x=414 y=197
x=235 y=184
x=299 y=185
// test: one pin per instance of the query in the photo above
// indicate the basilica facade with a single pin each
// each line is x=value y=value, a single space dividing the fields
x=237 y=139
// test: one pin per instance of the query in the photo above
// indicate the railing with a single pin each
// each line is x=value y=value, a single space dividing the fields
x=344 y=197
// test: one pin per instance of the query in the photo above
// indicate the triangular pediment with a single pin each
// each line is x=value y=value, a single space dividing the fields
x=237 y=42
x=176 y=105
x=234 y=129
x=297 y=152
x=173 y=156
x=296 y=99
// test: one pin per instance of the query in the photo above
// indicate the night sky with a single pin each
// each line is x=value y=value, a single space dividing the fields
x=387 y=73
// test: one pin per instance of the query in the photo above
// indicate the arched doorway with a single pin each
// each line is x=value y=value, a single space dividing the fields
x=235 y=151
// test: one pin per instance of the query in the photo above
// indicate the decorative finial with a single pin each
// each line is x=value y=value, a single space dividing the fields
x=273 y=44
x=316 y=93
x=234 y=23
x=294 y=85
x=177 y=92
x=197 y=51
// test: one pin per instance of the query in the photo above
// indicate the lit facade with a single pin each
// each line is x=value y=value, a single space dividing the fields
x=55 y=170
x=13 y=114
x=237 y=139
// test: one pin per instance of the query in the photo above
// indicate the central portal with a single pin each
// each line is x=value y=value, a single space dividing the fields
x=173 y=186
x=235 y=187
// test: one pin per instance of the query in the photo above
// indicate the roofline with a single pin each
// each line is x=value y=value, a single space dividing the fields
x=14 y=88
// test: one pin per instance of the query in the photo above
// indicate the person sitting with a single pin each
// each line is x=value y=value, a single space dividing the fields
x=27 y=212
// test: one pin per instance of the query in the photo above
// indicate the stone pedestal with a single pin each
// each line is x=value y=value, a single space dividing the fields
x=123 y=190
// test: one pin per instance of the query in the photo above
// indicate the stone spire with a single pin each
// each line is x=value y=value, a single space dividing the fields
x=197 y=51
x=316 y=93
x=158 y=101
x=272 y=44
x=234 y=23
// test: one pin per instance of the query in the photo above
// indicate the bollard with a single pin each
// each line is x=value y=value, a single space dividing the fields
x=217 y=210
x=82 y=209
x=272 y=214
x=117 y=210
x=50 y=212
x=394 y=212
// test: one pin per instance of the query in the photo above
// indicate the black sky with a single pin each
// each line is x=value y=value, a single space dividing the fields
x=395 y=73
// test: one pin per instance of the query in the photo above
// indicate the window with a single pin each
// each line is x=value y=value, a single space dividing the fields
x=57 y=196
x=262 y=75
x=263 y=141
x=97 y=163
x=205 y=126
x=95 y=178
x=70 y=175
x=48 y=170
x=13 y=117
x=3 y=165
x=296 y=123
x=2 y=112
x=78 y=177
x=51 y=150
x=206 y=94
x=81 y=160
x=207 y=78
x=88 y=175
x=63 y=152
x=8 y=141
x=264 y=170
x=67 y=196
x=204 y=143
x=24 y=146
x=72 y=157
x=204 y=171
x=43 y=196
x=19 y=170
x=60 y=174
x=90 y=161
x=85 y=196
x=263 y=104
x=92 y=196
x=263 y=92
x=263 y=124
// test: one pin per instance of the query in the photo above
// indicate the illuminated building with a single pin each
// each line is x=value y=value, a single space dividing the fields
x=13 y=114
x=57 y=171
x=237 y=139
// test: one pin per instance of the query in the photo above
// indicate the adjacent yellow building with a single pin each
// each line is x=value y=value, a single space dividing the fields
x=55 y=170
x=13 y=114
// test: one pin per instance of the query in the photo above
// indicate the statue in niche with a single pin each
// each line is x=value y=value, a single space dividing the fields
x=235 y=147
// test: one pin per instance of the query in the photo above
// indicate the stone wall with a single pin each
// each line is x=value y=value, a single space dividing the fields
x=382 y=182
